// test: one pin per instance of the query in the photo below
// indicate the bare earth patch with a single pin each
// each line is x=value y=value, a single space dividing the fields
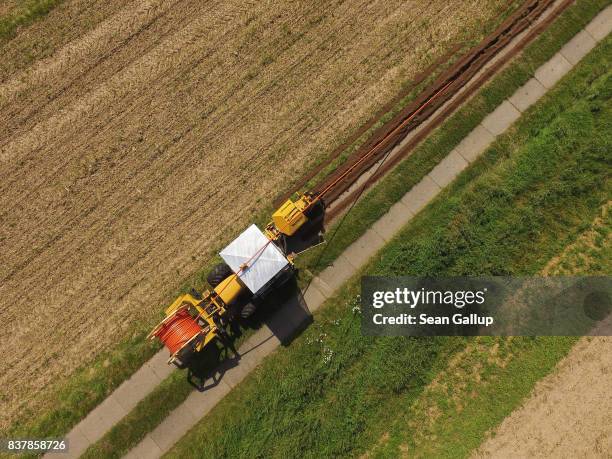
x=8 y=7
x=132 y=150
x=569 y=413
x=578 y=258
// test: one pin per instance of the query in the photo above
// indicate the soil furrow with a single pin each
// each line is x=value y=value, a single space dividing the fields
x=125 y=159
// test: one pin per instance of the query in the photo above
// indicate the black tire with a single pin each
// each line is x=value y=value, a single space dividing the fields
x=218 y=274
x=247 y=310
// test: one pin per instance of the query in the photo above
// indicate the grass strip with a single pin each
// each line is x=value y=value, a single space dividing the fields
x=335 y=393
x=24 y=15
x=92 y=383
x=473 y=394
x=488 y=381
x=142 y=419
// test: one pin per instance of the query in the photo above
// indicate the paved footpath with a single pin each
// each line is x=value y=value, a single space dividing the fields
x=289 y=318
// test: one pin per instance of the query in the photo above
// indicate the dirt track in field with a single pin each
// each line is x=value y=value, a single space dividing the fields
x=133 y=147
x=569 y=413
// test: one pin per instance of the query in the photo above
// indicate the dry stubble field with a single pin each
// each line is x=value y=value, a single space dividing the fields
x=134 y=135
x=569 y=413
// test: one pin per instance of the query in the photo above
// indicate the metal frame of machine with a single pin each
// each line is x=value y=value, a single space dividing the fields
x=194 y=320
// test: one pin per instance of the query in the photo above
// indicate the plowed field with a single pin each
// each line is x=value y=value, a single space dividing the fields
x=134 y=135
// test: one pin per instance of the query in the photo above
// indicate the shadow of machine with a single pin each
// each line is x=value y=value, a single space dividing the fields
x=283 y=311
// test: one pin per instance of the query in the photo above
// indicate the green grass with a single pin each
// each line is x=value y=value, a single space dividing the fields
x=142 y=419
x=453 y=416
x=337 y=393
x=480 y=389
x=26 y=13
x=92 y=383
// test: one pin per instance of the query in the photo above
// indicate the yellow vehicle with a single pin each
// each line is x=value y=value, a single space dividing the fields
x=254 y=262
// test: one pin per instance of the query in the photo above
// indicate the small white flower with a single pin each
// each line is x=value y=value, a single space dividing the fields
x=327 y=355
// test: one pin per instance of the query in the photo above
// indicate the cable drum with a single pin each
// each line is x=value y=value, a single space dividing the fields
x=177 y=330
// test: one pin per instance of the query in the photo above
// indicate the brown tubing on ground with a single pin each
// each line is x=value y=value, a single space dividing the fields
x=424 y=106
x=443 y=115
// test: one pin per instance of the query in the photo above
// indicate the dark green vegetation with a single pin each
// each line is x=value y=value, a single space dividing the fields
x=24 y=14
x=337 y=393
x=90 y=385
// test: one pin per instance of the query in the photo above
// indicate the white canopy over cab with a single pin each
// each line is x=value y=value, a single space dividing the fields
x=260 y=258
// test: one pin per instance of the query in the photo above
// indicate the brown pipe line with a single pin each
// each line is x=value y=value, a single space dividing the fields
x=338 y=208
x=464 y=69
x=418 y=79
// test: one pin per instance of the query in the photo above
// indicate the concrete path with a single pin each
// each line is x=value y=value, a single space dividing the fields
x=289 y=318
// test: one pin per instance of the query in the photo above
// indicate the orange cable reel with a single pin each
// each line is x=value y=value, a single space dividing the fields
x=177 y=331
